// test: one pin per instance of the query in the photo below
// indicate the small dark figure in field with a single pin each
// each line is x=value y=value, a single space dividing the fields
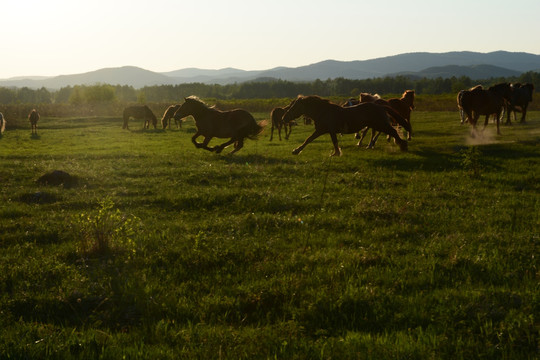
x=34 y=118
x=477 y=101
x=2 y=123
x=168 y=115
x=333 y=119
x=236 y=124
x=277 y=122
x=521 y=97
x=139 y=112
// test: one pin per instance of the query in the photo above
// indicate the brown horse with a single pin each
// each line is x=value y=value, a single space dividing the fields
x=402 y=107
x=277 y=122
x=2 y=123
x=477 y=101
x=33 y=117
x=168 y=115
x=236 y=124
x=521 y=97
x=139 y=112
x=334 y=119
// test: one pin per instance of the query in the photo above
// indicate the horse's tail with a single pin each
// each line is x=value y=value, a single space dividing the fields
x=257 y=129
x=398 y=118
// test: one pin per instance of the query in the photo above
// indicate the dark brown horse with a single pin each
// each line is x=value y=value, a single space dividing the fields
x=521 y=97
x=34 y=118
x=236 y=124
x=168 y=115
x=139 y=112
x=334 y=119
x=277 y=122
x=477 y=101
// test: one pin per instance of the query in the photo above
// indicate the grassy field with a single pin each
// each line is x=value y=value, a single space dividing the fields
x=164 y=251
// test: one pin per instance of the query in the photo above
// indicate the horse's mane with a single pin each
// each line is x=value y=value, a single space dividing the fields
x=198 y=101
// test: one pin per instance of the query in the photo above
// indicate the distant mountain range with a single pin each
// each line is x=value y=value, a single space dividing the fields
x=419 y=65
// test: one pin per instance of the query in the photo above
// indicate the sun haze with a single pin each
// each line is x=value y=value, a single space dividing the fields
x=59 y=37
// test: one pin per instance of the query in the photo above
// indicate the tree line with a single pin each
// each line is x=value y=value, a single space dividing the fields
x=263 y=89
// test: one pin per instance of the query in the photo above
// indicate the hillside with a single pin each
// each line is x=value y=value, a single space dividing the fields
x=472 y=64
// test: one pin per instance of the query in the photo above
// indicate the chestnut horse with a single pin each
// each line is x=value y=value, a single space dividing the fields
x=277 y=122
x=2 y=123
x=139 y=112
x=334 y=119
x=521 y=96
x=33 y=117
x=402 y=106
x=236 y=124
x=477 y=101
x=168 y=115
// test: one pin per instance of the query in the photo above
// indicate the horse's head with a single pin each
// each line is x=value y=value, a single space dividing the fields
x=295 y=110
x=408 y=97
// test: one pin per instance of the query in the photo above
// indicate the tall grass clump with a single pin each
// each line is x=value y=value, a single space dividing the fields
x=105 y=230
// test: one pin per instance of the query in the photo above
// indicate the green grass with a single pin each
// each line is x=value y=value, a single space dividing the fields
x=377 y=254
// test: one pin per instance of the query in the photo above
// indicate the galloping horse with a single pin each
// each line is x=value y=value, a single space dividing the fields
x=236 y=124
x=168 y=115
x=2 y=123
x=401 y=106
x=334 y=119
x=33 y=117
x=477 y=101
x=277 y=121
x=521 y=96
x=139 y=112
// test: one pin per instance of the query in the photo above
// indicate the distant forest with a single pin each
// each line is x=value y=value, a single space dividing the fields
x=264 y=89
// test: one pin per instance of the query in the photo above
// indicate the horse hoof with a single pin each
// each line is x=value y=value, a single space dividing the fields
x=218 y=149
x=296 y=152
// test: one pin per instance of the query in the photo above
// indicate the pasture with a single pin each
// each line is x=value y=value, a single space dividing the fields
x=377 y=254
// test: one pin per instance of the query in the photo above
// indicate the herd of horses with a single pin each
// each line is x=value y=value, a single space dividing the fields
x=356 y=116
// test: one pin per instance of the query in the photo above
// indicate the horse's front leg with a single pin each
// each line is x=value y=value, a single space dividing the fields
x=288 y=133
x=337 y=150
x=312 y=137
x=204 y=144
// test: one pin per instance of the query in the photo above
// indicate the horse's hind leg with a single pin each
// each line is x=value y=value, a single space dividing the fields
x=337 y=150
x=219 y=148
x=238 y=145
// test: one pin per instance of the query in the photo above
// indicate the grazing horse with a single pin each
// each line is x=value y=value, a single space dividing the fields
x=236 y=124
x=277 y=122
x=168 y=115
x=477 y=101
x=2 y=123
x=521 y=97
x=139 y=112
x=33 y=117
x=334 y=119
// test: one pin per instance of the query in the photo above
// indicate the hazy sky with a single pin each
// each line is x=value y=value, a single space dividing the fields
x=69 y=36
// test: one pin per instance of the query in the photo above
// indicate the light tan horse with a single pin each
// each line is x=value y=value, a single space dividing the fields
x=168 y=115
x=34 y=118
x=2 y=123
